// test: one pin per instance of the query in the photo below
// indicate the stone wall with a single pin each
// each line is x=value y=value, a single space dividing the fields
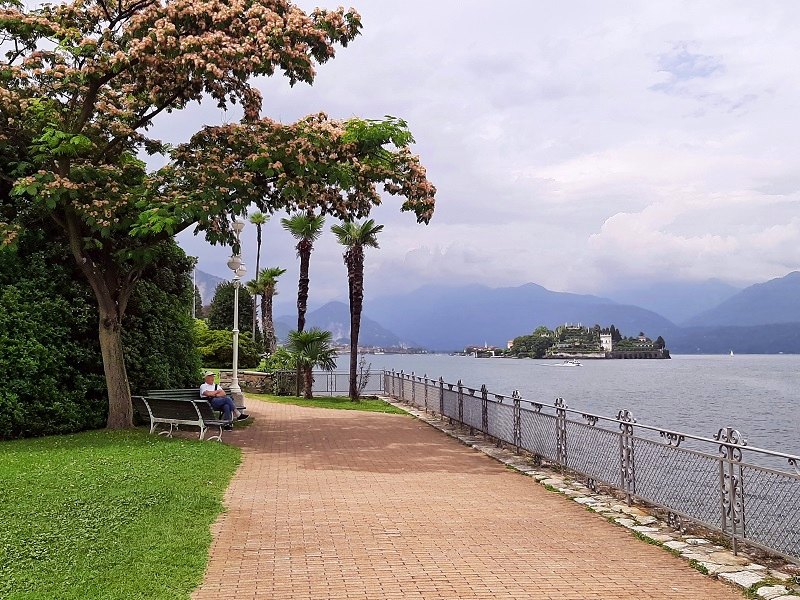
x=250 y=381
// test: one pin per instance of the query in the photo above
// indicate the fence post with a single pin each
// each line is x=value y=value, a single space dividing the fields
x=402 y=385
x=426 y=392
x=484 y=409
x=561 y=431
x=441 y=397
x=517 y=420
x=413 y=390
x=731 y=483
x=460 y=402
x=627 y=464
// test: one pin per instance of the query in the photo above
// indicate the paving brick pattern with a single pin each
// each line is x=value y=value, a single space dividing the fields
x=342 y=504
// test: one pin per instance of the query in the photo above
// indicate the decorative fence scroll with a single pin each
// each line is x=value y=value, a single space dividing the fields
x=749 y=494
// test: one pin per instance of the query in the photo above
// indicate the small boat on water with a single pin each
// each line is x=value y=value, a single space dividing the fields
x=731 y=352
x=570 y=363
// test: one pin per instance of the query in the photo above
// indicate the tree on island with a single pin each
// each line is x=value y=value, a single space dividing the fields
x=82 y=82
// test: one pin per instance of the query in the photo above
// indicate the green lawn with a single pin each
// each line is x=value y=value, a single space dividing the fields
x=339 y=402
x=108 y=515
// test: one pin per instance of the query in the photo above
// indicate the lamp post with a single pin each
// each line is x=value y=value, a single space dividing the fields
x=236 y=265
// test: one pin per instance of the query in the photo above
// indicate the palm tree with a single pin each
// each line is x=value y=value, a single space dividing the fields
x=311 y=349
x=258 y=219
x=306 y=228
x=356 y=237
x=266 y=283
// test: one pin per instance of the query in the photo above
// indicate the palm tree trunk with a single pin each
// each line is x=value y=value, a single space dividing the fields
x=309 y=382
x=258 y=264
x=355 y=276
x=270 y=340
x=304 y=250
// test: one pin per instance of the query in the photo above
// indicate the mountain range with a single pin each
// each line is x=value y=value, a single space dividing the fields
x=706 y=317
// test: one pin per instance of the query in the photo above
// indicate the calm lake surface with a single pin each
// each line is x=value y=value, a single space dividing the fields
x=756 y=394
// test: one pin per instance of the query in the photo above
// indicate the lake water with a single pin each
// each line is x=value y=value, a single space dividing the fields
x=756 y=394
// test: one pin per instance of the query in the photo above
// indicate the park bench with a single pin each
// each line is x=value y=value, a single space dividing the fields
x=175 y=412
x=186 y=394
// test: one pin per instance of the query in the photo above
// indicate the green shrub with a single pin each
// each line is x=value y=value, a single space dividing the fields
x=216 y=347
x=50 y=360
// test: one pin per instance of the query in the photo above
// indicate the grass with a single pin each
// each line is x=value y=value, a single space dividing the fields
x=337 y=402
x=108 y=515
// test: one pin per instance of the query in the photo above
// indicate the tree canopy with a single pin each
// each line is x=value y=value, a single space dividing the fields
x=80 y=84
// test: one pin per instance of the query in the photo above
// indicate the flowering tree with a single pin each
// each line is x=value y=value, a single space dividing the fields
x=81 y=82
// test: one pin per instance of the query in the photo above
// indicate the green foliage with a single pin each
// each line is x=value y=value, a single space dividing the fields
x=534 y=345
x=49 y=355
x=216 y=347
x=280 y=360
x=158 y=336
x=53 y=379
x=109 y=514
x=220 y=314
x=313 y=349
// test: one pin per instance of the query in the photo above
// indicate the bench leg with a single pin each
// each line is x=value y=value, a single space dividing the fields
x=217 y=437
x=167 y=433
x=202 y=431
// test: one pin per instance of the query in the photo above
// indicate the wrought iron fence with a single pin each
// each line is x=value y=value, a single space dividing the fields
x=327 y=382
x=749 y=494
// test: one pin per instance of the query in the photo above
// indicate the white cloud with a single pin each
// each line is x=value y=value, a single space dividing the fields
x=570 y=144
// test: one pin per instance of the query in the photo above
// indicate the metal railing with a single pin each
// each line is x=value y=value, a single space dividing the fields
x=746 y=493
x=329 y=383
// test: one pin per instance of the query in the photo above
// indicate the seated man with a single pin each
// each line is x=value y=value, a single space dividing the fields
x=219 y=401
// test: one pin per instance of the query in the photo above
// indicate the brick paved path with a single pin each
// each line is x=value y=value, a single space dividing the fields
x=344 y=504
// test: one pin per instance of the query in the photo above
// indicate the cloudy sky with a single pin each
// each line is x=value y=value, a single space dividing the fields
x=576 y=145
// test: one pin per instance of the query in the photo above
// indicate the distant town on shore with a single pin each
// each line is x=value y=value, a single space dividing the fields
x=570 y=341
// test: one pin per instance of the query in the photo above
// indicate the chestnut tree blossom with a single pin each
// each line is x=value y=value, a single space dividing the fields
x=80 y=84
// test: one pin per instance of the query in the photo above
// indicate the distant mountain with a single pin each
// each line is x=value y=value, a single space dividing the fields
x=756 y=339
x=207 y=284
x=335 y=317
x=678 y=301
x=450 y=318
x=775 y=301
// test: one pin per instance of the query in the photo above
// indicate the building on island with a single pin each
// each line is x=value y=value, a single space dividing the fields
x=576 y=341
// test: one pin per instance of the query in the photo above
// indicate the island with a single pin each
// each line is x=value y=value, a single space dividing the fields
x=570 y=341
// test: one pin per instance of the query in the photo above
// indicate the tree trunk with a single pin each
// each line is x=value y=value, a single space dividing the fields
x=258 y=263
x=309 y=382
x=103 y=277
x=354 y=258
x=120 y=412
x=302 y=290
x=304 y=251
x=267 y=321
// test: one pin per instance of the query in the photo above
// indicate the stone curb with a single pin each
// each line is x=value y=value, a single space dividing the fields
x=704 y=555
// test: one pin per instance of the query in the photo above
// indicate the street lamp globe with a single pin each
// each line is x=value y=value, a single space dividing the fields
x=234 y=262
x=240 y=271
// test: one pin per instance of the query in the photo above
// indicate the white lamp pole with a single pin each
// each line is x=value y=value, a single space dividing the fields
x=236 y=265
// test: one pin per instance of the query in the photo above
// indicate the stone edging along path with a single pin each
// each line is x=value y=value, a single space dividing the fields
x=758 y=581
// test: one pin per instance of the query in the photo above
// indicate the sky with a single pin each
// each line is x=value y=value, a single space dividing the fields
x=582 y=146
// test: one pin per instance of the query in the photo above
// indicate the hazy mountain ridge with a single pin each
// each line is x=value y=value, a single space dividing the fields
x=451 y=317
x=335 y=317
x=774 y=301
x=677 y=301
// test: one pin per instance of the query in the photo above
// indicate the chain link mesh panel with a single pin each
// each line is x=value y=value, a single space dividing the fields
x=682 y=480
x=538 y=432
x=501 y=421
x=451 y=402
x=594 y=451
x=772 y=514
x=473 y=412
